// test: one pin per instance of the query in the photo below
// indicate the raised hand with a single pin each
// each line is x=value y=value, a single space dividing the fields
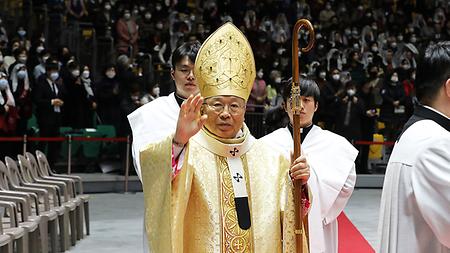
x=190 y=121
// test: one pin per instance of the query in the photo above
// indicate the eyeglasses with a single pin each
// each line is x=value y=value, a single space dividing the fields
x=233 y=108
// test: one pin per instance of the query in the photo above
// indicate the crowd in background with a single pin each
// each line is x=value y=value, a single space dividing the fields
x=364 y=59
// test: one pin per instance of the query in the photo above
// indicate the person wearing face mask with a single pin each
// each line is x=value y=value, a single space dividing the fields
x=107 y=93
x=20 y=57
x=76 y=10
x=104 y=19
x=127 y=35
x=367 y=97
x=356 y=68
x=146 y=29
x=49 y=95
x=22 y=38
x=329 y=95
x=258 y=96
x=151 y=95
x=76 y=105
x=21 y=89
x=128 y=104
x=325 y=114
x=326 y=14
x=275 y=116
x=40 y=68
x=349 y=111
x=8 y=115
x=393 y=109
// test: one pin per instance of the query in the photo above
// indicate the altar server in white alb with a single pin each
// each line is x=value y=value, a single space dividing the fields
x=415 y=203
x=332 y=161
x=156 y=120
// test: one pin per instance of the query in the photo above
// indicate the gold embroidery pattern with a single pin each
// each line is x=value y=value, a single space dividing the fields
x=235 y=240
x=225 y=64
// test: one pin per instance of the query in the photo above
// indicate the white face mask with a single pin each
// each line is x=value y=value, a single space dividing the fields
x=156 y=91
x=127 y=16
x=260 y=75
x=278 y=80
x=22 y=59
x=336 y=77
x=3 y=84
x=322 y=75
x=76 y=73
x=21 y=74
x=39 y=49
x=394 y=79
x=351 y=92
x=54 y=76
x=86 y=74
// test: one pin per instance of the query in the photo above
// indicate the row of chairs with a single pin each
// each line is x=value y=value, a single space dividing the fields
x=37 y=203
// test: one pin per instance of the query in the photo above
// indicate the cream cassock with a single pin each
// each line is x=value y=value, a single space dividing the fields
x=152 y=122
x=331 y=158
x=415 y=203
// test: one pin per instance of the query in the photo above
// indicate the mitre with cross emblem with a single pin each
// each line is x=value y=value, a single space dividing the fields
x=225 y=64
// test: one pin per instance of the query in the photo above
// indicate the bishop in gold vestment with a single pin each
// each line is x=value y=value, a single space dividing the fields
x=194 y=209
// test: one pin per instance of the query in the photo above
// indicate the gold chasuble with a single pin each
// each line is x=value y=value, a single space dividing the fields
x=196 y=212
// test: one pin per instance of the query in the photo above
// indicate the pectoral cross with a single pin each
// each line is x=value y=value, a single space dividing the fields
x=237 y=177
x=234 y=151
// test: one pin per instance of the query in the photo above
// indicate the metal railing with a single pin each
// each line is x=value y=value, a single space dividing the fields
x=70 y=139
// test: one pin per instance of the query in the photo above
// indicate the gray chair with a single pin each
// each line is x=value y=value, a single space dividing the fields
x=64 y=210
x=6 y=241
x=17 y=234
x=48 y=217
x=45 y=172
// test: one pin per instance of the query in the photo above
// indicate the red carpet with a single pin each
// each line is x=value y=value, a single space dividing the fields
x=350 y=239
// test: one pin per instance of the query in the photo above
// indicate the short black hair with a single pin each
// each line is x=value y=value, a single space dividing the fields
x=189 y=49
x=433 y=70
x=18 y=51
x=308 y=88
x=51 y=64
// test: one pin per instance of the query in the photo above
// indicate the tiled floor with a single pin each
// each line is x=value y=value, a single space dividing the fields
x=116 y=221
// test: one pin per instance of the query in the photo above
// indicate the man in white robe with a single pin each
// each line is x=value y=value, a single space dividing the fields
x=415 y=203
x=156 y=120
x=331 y=158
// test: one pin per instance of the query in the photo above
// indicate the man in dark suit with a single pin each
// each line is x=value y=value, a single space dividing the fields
x=48 y=95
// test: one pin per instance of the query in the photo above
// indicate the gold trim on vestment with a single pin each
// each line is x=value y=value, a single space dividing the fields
x=235 y=239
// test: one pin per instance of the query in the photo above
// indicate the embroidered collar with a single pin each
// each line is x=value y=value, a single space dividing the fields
x=225 y=147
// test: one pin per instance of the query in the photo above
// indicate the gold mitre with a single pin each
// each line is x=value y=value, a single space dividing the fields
x=225 y=64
